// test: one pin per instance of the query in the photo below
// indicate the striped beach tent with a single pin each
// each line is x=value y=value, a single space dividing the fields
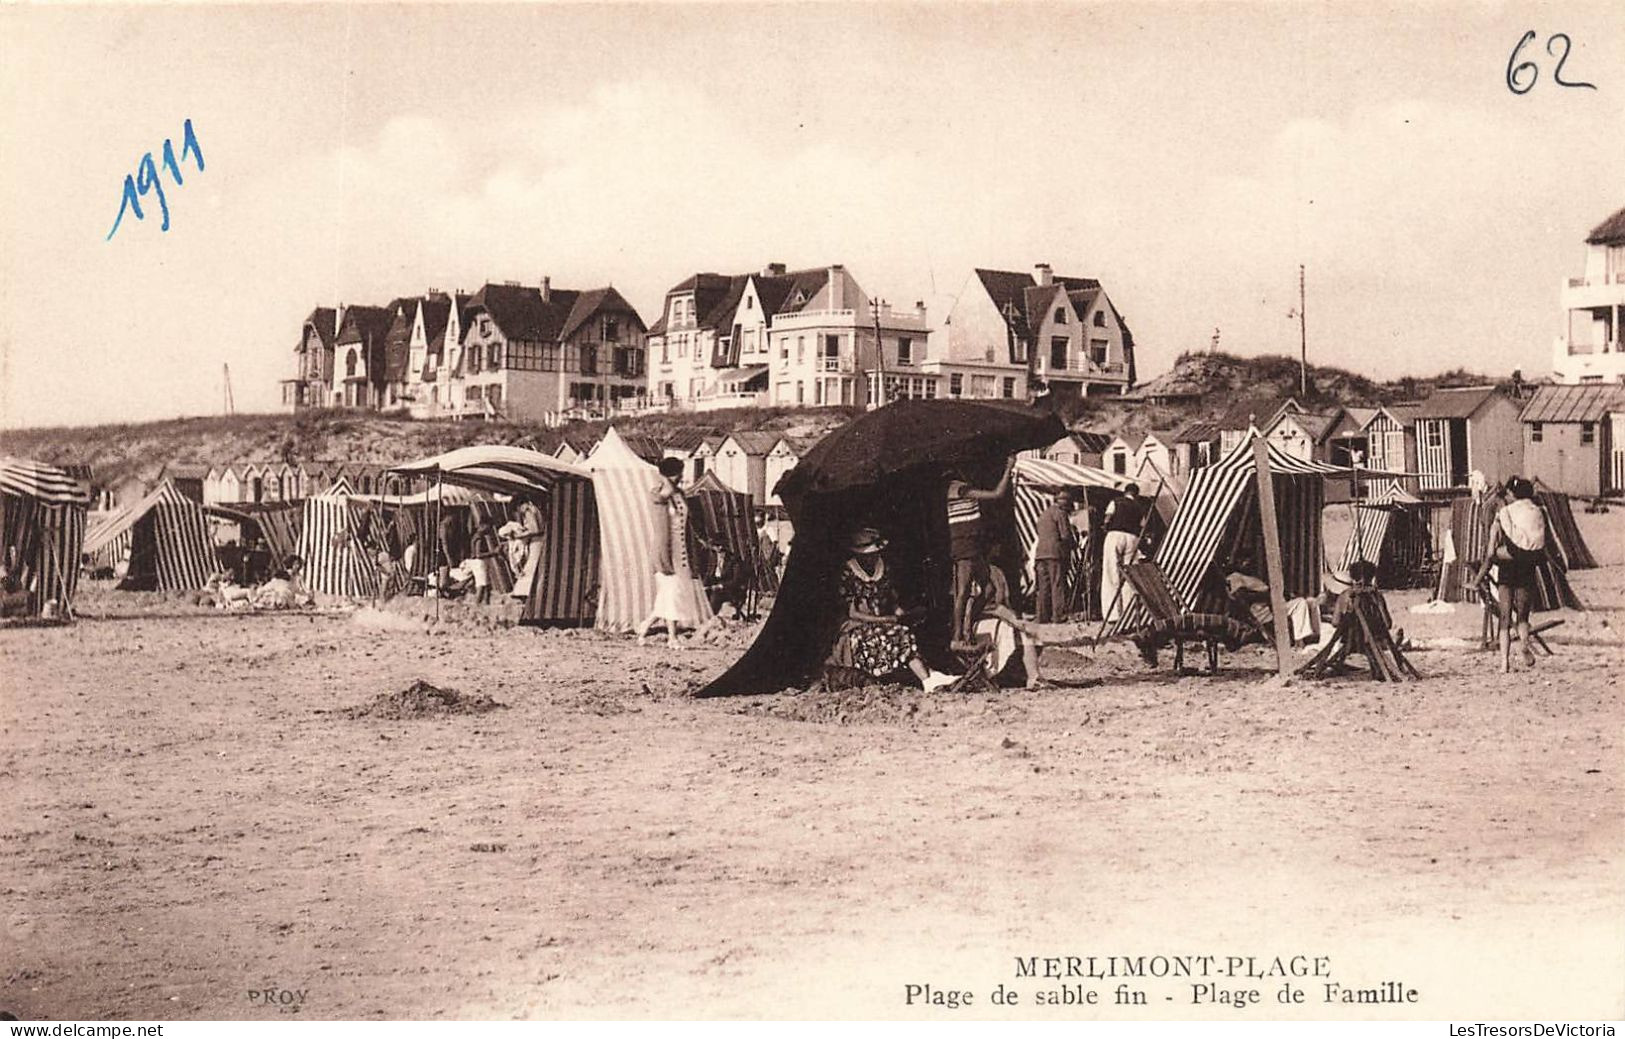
x=42 y=532
x=332 y=544
x=565 y=592
x=1036 y=481
x=568 y=574
x=718 y=513
x=1220 y=512
x=165 y=537
x=1392 y=530
x=1472 y=523
x=628 y=524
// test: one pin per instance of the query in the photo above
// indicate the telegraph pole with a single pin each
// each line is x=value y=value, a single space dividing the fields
x=1303 y=342
x=231 y=406
x=880 y=353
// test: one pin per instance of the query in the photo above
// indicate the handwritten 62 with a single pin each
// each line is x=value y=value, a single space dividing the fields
x=1516 y=70
x=146 y=180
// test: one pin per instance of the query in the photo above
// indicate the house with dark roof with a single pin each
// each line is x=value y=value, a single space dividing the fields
x=313 y=370
x=358 y=356
x=1019 y=334
x=1079 y=447
x=1197 y=445
x=741 y=463
x=785 y=456
x=783 y=337
x=1260 y=413
x=1464 y=430
x=1592 y=346
x=537 y=353
x=1574 y=438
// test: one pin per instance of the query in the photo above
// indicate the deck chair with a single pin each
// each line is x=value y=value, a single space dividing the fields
x=1491 y=628
x=1363 y=630
x=1170 y=620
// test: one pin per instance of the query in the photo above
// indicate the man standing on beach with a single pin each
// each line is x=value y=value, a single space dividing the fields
x=965 y=538
x=1125 y=519
x=1052 y=552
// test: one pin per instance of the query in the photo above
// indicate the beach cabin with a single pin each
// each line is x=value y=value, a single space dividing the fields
x=741 y=463
x=1465 y=429
x=1572 y=438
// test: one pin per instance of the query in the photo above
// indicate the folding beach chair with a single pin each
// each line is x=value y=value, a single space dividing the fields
x=1172 y=622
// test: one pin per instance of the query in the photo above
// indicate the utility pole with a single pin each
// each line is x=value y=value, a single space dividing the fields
x=880 y=353
x=1303 y=342
x=231 y=407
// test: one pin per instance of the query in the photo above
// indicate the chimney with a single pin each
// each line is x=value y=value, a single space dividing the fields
x=338 y=319
x=837 y=287
x=1043 y=275
x=547 y=289
x=773 y=270
x=919 y=308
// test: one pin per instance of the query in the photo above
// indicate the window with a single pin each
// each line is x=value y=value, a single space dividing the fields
x=474 y=358
x=665 y=351
x=1588 y=432
x=983 y=386
x=494 y=395
x=1057 y=352
x=1060 y=315
x=1097 y=351
x=905 y=351
x=699 y=466
x=801 y=392
x=471 y=393
x=485 y=327
x=956 y=385
x=750 y=302
x=1536 y=432
x=784 y=349
x=1435 y=435
x=1100 y=319
x=589 y=359
x=349 y=363
x=930 y=389
x=1119 y=463
x=494 y=355
x=612 y=330
x=1010 y=386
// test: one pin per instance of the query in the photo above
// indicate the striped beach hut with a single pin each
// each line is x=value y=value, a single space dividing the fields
x=568 y=574
x=628 y=524
x=165 y=538
x=1219 y=513
x=332 y=543
x=42 y=531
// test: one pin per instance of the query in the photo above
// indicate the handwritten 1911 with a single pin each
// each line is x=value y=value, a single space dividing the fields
x=146 y=179
x=1516 y=68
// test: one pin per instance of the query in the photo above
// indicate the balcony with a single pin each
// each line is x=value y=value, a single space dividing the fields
x=1589 y=293
x=828 y=363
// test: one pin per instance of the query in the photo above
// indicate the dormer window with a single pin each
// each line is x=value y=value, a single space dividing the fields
x=1100 y=319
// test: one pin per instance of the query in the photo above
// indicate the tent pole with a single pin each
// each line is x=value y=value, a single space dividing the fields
x=1272 y=554
x=440 y=491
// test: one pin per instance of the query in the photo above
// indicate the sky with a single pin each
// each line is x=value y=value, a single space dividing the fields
x=1190 y=156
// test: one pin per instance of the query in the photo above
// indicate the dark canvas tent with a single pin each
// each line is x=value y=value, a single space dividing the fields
x=165 y=537
x=42 y=529
x=887 y=469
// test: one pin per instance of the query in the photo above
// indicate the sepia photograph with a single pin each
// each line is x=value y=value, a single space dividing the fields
x=802 y=511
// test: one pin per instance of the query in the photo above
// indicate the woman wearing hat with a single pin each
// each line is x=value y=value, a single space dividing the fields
x=874 y=639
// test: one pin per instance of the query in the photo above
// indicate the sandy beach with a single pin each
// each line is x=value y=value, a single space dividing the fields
x=193 y=817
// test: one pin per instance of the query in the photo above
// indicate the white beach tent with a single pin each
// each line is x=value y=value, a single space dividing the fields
x=628 y=523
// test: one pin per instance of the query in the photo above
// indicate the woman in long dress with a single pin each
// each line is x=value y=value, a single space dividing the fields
x=528 y=548
x=679 y=596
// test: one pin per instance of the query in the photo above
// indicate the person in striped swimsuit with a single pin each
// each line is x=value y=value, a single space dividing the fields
x=965 y=539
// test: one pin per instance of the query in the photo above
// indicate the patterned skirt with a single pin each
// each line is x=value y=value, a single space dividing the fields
x=876 y=648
